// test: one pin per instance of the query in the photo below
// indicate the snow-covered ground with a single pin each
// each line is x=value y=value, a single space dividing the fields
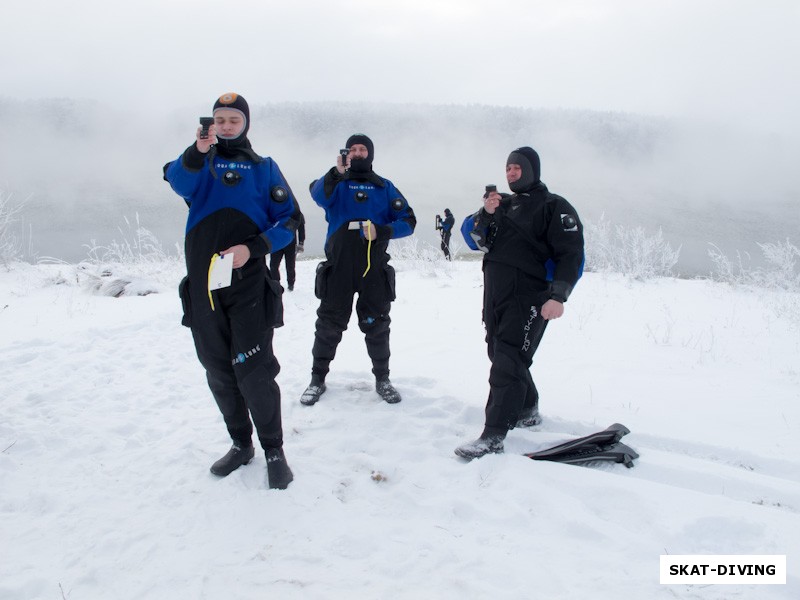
x=108 y=430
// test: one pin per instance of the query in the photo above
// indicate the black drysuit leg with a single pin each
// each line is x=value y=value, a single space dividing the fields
x=446 y=244
x=372 y=307
x=341 y=280
x=234 y=345
x=514 y=329
x=332 y=320
x=275 y=264
x=289 y=255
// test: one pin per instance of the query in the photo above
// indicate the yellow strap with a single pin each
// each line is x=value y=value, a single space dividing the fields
x=369 y=248
x=210 y=267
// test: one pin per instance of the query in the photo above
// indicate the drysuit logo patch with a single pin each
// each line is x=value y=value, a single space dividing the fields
x=243 y=356
x=232 y=165
x=569 y=223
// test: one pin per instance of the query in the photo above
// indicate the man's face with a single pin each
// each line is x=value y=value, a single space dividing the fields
x=513 y=172
x=358 y=151
x=229 y=123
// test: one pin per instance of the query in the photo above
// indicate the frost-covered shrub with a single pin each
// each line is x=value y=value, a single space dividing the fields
x=781 y=271
x=10 y=244
x=422 y=257
x=138 y=265
x=138 y=245
x=631 y=251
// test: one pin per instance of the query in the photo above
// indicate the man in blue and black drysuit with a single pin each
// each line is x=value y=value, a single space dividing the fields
x=364 y=211
x=241 y=209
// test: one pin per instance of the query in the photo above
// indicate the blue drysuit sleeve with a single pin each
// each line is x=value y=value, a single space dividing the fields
x=403 y=221
x=280 y=213
x=475 y=230
x=322 y=189
x=182 y=175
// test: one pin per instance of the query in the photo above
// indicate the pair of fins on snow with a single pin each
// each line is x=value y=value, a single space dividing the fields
x=603 y=445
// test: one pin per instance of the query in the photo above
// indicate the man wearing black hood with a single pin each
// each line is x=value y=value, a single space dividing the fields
x=533 y=245
x=240 y=210
x=364 y=211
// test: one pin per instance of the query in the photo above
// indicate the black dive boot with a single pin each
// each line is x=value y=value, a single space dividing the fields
x=387 y=391
x=314 y=390
x=529 y=418
x=278 y=472
x=490 y=442
x=238 y=455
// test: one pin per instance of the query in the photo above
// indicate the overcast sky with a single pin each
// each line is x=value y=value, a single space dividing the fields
x=732 y=59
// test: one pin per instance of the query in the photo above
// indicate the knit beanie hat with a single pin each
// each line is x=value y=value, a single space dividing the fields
x=528 y=160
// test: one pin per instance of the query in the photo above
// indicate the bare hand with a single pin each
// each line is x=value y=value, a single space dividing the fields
x=552 y=309
x=204 y=145
x=491 y=202
x=369 y=231
x=241 y=254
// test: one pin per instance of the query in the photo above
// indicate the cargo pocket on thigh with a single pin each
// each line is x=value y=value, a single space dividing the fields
x=390 y=282
x=273 y=302
x=186 y=302
x=321 y=279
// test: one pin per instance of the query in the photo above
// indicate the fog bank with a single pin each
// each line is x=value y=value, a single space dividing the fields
x=84 y=166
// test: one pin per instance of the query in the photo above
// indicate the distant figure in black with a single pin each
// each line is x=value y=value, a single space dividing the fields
x=289 y=253
x=445 y=227
x=533 y=245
